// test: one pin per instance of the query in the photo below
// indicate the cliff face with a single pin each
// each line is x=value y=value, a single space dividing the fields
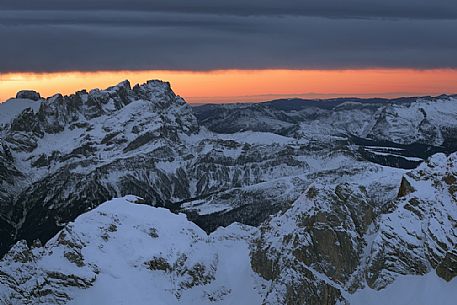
x=338 y=238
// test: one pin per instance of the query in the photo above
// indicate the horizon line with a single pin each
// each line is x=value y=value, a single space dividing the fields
x=247 y=86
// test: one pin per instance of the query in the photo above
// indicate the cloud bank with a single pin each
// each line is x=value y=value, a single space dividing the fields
x=49 y=36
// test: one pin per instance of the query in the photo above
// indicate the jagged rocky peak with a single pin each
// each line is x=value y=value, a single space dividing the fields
x=153 y=85
x=101 y=139
x=102 y=101
x=125 y=85
x=419 y=232
x=98 y=102
x=58 y=111
x=339 y=235
x=159 y=91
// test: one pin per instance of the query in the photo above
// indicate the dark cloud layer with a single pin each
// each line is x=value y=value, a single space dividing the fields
x=424 y=9
x=43 y=36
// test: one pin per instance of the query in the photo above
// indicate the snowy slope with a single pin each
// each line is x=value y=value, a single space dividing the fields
x=126 y=253
x=428 y=289
x=13 y=107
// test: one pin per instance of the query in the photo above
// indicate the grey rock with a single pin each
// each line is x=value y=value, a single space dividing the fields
x=28 y=94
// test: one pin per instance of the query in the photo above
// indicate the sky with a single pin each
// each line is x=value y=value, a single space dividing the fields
x=231 y=50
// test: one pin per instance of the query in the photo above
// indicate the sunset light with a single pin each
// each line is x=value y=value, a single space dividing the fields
x=249 y=85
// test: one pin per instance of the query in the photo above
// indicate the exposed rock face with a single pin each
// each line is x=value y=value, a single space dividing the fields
x=420 y=232
x=405 y=188
x=340 y=238
x=28 y=94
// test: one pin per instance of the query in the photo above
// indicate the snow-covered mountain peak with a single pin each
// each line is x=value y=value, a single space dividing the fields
x=125 y=84
x=123 y=252
x=89 y=105
x=58 y=112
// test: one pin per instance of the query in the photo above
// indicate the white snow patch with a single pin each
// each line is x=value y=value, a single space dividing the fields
x=13 y=107
x=252 y=137
x=410 y=289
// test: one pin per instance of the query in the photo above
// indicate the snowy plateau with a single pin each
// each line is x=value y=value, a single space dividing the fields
x=129 y=195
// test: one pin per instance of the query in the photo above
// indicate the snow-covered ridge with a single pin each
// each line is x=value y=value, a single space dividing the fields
x=429 y=120
x=13 y=107
x=123 y=252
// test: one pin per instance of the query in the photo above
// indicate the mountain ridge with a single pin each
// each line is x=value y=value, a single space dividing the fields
x=319 y=186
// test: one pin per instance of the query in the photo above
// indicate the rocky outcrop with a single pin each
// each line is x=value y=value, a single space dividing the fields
x=29 y=95
x=340 y=237
x=420 y=231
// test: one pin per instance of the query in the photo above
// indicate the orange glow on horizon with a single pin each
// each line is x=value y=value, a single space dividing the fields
x=248 y=85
